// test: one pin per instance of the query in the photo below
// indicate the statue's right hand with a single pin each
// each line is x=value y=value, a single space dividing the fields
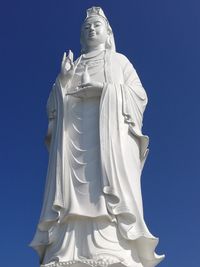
x=67 y=68
x=67 y=65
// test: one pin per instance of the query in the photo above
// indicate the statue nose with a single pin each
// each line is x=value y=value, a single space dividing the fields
x=91 y=28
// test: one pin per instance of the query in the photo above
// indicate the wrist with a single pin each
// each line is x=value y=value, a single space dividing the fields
x=63 y=79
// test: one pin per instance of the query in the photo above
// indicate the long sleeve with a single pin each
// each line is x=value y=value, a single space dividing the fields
x=51 y=113
x=51 y=105
x=132 y=80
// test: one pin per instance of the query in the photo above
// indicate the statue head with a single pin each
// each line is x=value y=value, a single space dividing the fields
x=96 y=30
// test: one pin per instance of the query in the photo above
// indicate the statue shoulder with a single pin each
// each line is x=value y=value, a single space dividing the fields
x=120 y=58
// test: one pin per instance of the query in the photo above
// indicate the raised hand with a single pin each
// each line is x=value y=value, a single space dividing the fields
x=67 y=68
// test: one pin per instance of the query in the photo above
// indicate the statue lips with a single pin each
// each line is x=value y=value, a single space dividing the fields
x=91 y=34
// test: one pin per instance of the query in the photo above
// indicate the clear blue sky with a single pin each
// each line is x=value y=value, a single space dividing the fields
x=162 y=40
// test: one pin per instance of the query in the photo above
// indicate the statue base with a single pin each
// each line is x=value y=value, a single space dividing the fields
x=84 y=263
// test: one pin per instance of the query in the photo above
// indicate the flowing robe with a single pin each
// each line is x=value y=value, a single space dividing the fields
x=96 y=156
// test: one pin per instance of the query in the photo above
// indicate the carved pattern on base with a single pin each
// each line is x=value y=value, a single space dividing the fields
x=102 y=262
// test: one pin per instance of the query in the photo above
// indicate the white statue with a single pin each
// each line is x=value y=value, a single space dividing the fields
x=92 y=212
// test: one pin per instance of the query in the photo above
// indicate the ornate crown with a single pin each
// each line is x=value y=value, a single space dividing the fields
x=95 y=11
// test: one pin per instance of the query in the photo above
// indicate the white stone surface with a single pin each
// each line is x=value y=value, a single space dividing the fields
x=92 y=212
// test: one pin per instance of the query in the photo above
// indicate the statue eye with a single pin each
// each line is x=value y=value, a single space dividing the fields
x=97 y=24
x=87 y=26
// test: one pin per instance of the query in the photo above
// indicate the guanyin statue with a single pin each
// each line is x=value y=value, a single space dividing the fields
x=92 y=211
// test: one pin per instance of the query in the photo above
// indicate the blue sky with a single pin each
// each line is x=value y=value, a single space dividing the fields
x=162 y=40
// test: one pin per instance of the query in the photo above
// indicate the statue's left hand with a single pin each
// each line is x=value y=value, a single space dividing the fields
x=86 y=90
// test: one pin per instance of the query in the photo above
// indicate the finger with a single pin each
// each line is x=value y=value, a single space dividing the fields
x=79 y=88
x=74 y=94
x=70 y=55
x=84 y=89
x=64 y=57
x=71 y=93
x=86 y=85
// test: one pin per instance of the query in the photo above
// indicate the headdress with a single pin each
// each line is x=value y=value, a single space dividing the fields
x=97 y=11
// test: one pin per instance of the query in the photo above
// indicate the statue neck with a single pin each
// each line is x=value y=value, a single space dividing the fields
x=99 y=47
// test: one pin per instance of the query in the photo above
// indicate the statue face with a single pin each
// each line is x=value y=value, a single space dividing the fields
x=94 y=32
